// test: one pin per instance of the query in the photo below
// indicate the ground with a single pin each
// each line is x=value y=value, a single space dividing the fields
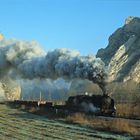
x=19 y=125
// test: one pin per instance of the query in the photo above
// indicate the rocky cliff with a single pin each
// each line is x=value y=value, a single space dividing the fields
x=122 y=55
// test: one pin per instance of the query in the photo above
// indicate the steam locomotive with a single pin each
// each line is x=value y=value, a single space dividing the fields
x=95 y=104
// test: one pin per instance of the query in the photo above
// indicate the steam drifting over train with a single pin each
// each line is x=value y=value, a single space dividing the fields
x=26 y=60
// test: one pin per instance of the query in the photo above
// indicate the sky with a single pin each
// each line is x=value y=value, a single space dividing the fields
x=82 y=25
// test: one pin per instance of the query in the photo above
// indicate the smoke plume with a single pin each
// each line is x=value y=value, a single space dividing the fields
x=26 y=60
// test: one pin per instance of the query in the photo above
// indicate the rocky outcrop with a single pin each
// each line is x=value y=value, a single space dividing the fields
x=122 y=55
x=10 y=90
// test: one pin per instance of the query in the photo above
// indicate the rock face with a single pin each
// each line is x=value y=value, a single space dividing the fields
x=10 y=90
x=122 y=55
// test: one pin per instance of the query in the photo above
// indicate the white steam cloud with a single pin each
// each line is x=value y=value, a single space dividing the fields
x=26 y=60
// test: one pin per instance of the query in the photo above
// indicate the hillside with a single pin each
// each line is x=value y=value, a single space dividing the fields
x=122 y=55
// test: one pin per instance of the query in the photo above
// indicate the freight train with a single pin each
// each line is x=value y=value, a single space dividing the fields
x=95 y=104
